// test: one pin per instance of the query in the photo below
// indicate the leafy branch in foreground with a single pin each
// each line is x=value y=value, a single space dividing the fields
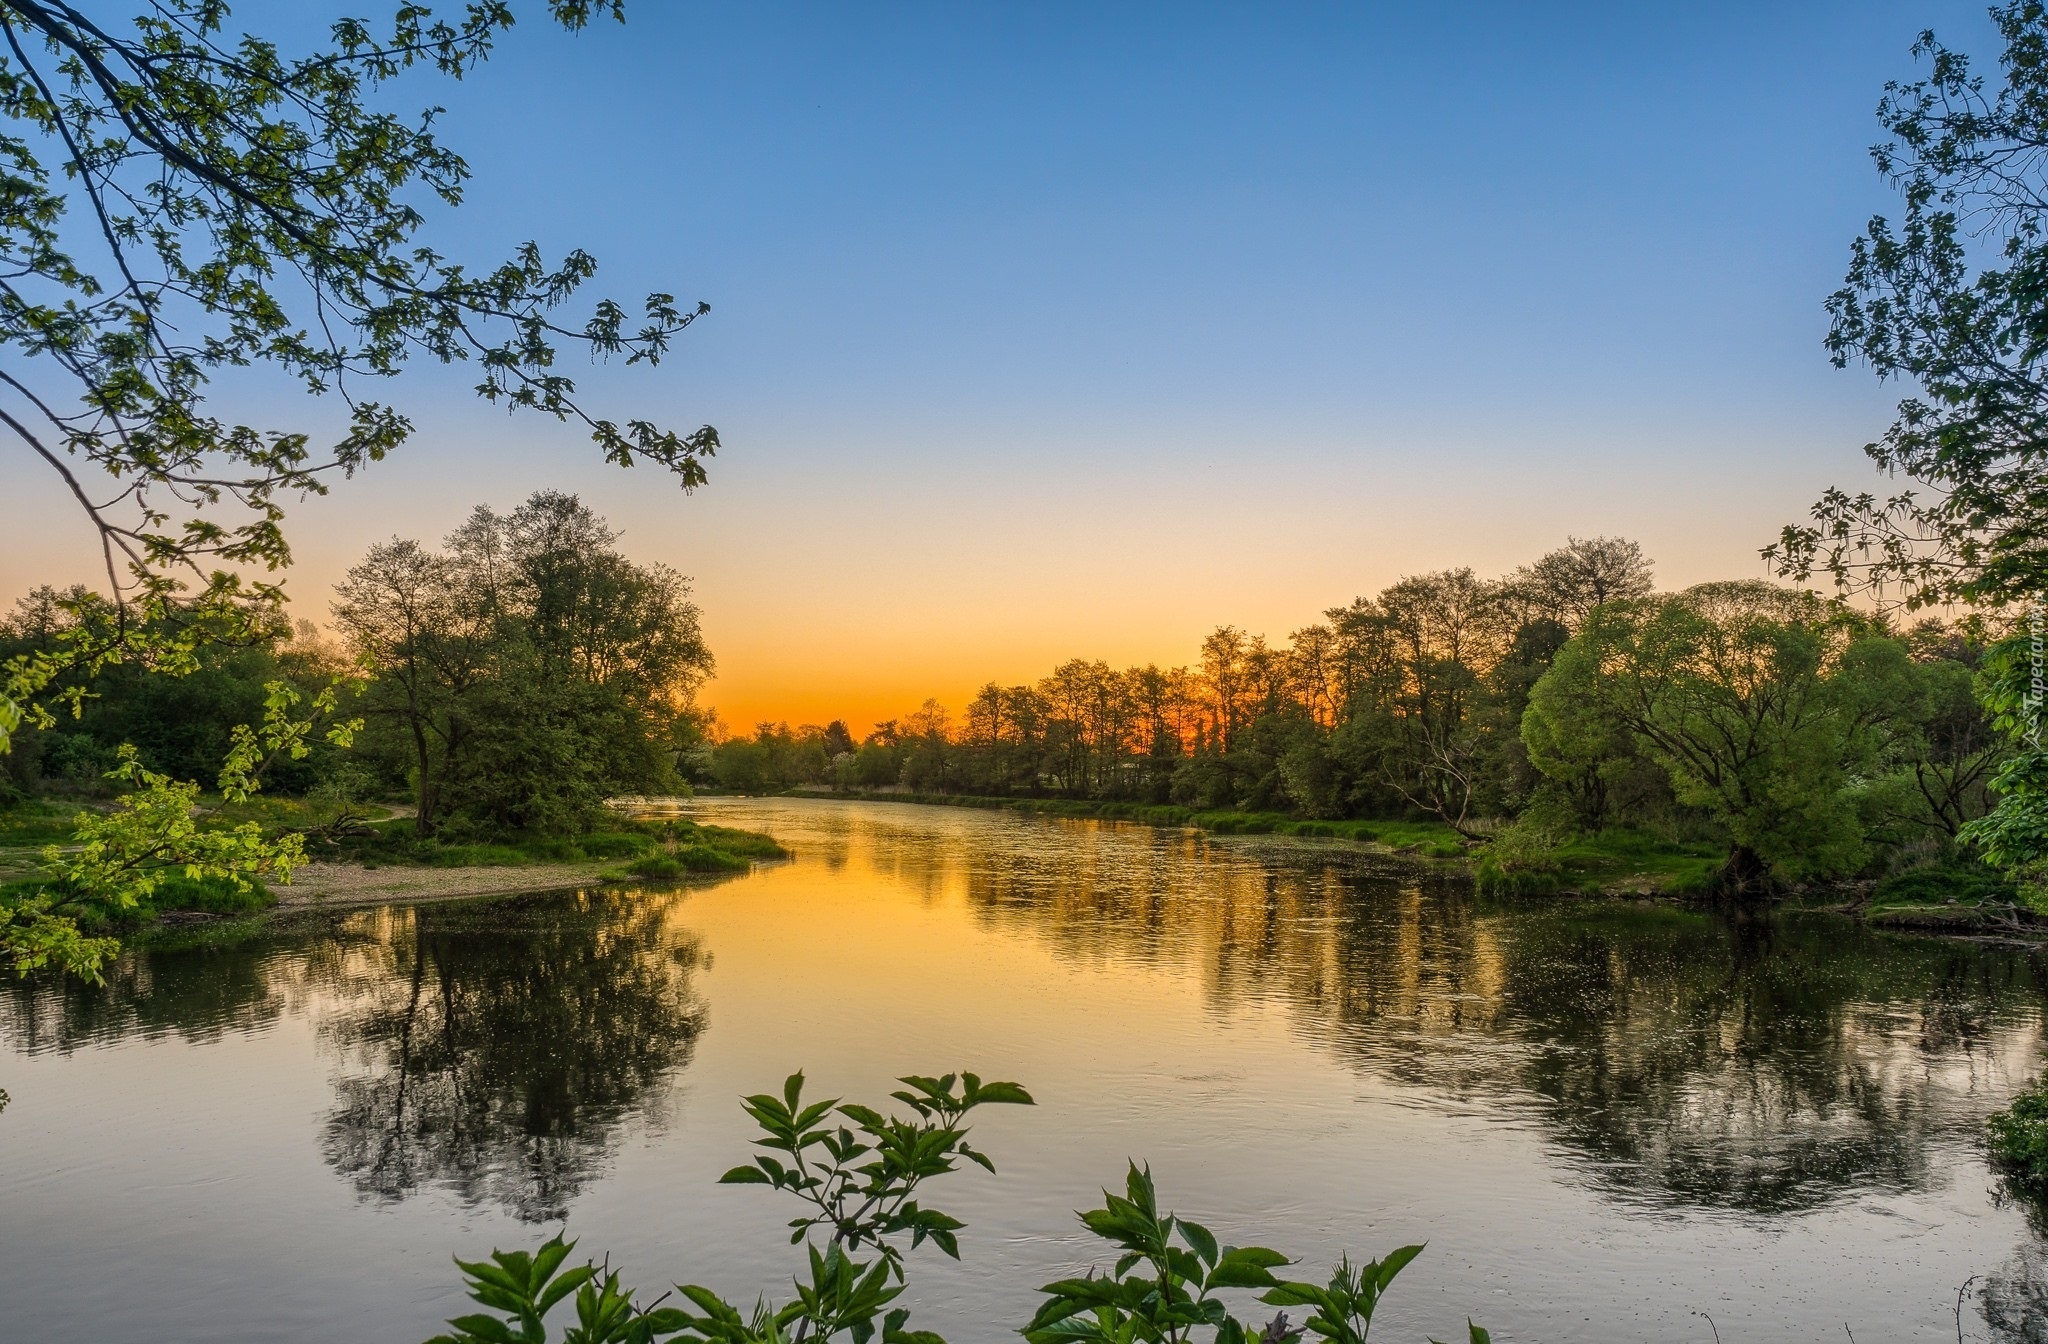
x=157 y=830
x=1949 y=298
x=178 y=200
x=865 y=1205
x=859 y=1175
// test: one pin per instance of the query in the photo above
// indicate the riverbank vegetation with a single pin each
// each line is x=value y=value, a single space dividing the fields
x=2019 y=1138
x=1566 y=723
x=503 y=686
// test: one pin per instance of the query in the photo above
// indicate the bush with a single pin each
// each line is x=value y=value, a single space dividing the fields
x=688 y=859
x=857 y=1173
x=1957 y=877
x=2019 y=1137
x=1521 y=860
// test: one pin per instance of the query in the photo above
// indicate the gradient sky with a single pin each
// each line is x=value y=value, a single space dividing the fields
x=1057 y=329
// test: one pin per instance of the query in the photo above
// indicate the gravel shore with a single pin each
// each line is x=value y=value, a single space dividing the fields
x=331 y=885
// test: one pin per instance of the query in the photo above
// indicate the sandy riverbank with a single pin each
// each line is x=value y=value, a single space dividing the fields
x=331 y=885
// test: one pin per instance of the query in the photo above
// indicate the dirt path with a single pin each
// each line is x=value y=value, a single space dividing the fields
x=329 y=885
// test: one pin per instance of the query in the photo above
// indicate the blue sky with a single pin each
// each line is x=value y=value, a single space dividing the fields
x=1052 y=329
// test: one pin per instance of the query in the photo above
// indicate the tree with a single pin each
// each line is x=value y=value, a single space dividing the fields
x=527 y=671
x=1762 y=704
x=180 y=201
x=177 y=202
x=1447 y=630
x=405 y=618
x=1570 y=583
x=1966 y=323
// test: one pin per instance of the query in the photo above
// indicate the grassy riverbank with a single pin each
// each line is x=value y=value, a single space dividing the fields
x=377 y=862
x=1954 y=896
x=1430 y=839
x=672 y=847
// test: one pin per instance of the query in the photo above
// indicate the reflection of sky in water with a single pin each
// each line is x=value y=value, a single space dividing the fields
x=1603 y=1119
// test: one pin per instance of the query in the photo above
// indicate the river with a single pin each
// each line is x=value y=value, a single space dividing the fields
x=1608 y=1121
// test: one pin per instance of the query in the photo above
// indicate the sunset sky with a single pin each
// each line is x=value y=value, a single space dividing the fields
x=1055 y=330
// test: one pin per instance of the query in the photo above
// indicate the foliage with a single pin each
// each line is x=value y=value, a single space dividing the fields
x=858 y=1172
x=182 y=200
x=1163 y=1286
x=1761 y=705
x=856 y=1169
x=2014 y=835
x=157 y=832
x=1634 y=730
x=1924 y=302
x=181 y=721
x=2019 y=1136
x=1957 y=877
x=526 y=673
x=649 y=849
x=873 y=1202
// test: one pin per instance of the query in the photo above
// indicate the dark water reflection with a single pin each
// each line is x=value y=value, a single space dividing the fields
x=1697 y=1091
x=488 y=1049
x=1759 y=1066
x=495 y=1052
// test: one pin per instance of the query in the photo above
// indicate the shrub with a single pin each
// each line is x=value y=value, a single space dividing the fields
x=1521 y=860
x=858 y=1172
x=688 y=859
x=2019 y=1137
x=1957 y=877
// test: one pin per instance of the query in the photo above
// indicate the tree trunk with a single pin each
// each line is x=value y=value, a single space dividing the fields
x=1745 y=878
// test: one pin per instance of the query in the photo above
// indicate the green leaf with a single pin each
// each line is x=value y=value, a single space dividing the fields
x=1246 y=1267
x=488 y=1328
x=745 y=1176
x=1001 y=1094
x=1200 y=1238
x=1395 y=1262
x=1291 y=1294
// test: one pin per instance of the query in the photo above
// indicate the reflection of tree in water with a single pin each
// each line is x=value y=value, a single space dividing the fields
x=492 y=1048
x=498 y=1049
x=2013 y=1299
x=1763 y=1068
x=195 y=996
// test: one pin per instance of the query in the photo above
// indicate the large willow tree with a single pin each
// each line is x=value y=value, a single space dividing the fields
x=177 y=200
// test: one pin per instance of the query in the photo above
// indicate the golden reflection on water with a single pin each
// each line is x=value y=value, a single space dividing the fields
x=1314 y=1044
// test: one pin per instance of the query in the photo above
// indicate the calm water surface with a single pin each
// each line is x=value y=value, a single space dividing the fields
x=1604 y=1120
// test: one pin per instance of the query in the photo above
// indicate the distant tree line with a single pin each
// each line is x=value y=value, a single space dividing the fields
x=1567 y=698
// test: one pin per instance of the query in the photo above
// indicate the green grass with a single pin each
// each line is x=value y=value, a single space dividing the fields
x=176 y=894
x=655 y=849
x=1614 y=860
x=685 y=861
x=36 y=822
x=1954 y=890
x=1430 y=838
